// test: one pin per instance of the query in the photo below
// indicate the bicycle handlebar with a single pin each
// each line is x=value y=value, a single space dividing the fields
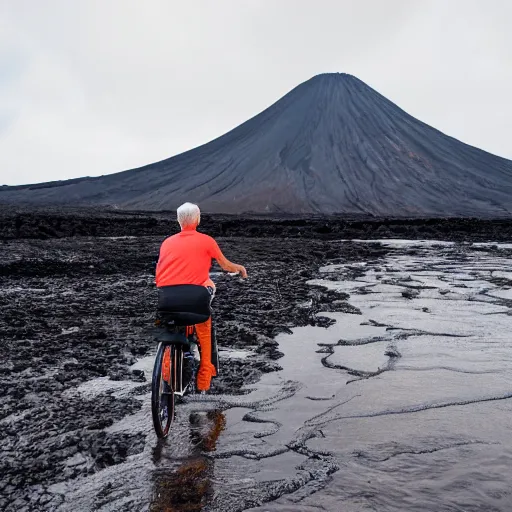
x=235 y=274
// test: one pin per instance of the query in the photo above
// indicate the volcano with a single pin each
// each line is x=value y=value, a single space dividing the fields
x=331 y=145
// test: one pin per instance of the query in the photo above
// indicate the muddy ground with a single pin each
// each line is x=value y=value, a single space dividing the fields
x=77 y=302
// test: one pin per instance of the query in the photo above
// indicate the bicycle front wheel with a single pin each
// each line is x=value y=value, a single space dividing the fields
x=162 y=390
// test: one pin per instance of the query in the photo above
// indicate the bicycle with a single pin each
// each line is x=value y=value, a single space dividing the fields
x=180 y=308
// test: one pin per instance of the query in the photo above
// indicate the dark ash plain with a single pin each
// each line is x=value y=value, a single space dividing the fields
x=77 y=303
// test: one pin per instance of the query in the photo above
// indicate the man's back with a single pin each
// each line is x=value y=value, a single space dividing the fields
x=186 y=258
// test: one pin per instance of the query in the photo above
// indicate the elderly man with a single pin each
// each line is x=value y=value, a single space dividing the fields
x=186 y=258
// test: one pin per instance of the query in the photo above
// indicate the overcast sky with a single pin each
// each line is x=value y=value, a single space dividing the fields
x=90 y=87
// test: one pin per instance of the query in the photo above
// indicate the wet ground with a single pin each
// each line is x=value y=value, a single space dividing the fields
x=78 y=309
x=411 y=400
x=355 y=376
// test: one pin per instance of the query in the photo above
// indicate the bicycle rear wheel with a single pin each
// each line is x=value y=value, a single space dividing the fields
x=162 y=390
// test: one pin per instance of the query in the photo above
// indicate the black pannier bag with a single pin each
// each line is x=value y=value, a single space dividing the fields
x=184 y=304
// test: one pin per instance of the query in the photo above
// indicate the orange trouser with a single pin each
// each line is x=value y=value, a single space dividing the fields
x=204 y=336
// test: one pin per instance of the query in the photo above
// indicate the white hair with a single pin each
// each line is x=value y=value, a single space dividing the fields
x=188 y=215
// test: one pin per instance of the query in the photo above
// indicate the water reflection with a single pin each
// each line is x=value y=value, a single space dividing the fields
x=189 y=487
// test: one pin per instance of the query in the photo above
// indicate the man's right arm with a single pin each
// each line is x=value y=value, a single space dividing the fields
x=226 y=265
x=223 y=262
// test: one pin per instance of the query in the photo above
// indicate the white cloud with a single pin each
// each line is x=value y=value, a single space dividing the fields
x=92 y=87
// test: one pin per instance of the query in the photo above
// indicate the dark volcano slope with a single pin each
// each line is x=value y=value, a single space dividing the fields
x=331 y=145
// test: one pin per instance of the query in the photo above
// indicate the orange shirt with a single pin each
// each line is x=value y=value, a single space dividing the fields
x=186 y=258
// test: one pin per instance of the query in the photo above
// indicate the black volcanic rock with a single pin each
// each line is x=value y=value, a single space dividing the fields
x=331 y=145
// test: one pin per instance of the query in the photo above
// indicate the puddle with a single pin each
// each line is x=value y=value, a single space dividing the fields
x=399 y=243
x=102 y=385
x=234 y=354
x=418 y=436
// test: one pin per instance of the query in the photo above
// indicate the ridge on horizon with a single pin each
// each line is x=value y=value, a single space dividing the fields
x=330 y=145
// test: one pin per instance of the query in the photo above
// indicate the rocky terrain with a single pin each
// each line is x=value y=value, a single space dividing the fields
x=77 y=308
x=77 y=305
x=58 y=222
